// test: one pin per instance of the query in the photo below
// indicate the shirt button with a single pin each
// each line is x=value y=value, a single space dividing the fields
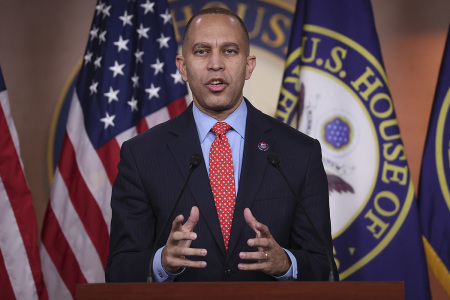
x=160 y=275
x=227 y=273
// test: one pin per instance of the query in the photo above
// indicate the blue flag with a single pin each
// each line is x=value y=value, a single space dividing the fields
x=434 y=193
x=335 y=89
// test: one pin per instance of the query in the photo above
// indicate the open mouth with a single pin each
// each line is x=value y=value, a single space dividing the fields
x=216 y=85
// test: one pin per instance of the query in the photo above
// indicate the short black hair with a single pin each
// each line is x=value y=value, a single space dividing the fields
x=217 y=11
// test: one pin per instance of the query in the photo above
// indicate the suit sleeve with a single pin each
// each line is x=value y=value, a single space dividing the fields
x=312 y=262
x=131 y=237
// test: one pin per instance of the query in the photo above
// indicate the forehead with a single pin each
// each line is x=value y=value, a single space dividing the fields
x=218 y=27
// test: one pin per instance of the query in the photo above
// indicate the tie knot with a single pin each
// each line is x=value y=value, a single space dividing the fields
x=220 y=128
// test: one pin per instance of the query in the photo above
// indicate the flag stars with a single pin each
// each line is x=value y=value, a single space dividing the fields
x=135 y=80
x=105 y=11
x=152 y=91
x=117 y=69
x=112 y=95
x=102 y=37
x=108 y=120
x=163 y=41
x=148 y=6
x=166 y=16
x=97 y=62
x=142 y=31
x=133 y=104
x=88 y=57
x=138 y=54
x=177 y=77
x=121 y=44
x=93 y=33
x=93 y=87
x=126 y=19
x=158 y=66
x=99 y=8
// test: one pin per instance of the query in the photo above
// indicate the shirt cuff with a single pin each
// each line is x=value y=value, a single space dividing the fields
x=291 y=274
x=159 y=273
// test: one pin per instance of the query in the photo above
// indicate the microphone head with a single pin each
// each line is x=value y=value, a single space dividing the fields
x=273 y=159
x=196 y=160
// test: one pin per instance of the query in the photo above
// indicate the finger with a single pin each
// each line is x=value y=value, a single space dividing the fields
x=187 y=263
x=262 y=266
x=251 y=221
x=192 y=220
x=264 y=230
x=176 y=224
x=180 y=236
x=263 y=243
x=185 y=251
x=258 y=255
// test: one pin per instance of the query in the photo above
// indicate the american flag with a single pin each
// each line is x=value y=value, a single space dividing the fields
x=20 y=266
x=128 y=83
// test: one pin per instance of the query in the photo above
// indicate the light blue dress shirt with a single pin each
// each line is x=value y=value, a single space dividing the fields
x=236 y=136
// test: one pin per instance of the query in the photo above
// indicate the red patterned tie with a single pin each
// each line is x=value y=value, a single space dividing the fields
x=221 y=176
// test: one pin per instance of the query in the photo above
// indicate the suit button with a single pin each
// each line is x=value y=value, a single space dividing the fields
x=227 y=273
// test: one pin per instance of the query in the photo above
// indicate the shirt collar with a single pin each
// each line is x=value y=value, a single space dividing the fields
x=237 y=120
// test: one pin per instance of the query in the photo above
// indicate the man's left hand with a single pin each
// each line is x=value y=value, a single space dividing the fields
x=271 y=258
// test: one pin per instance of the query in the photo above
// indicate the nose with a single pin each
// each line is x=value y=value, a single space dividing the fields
x=216 y=61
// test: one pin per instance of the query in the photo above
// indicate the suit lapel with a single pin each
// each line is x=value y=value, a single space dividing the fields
x=184 y=144
x=254 y=163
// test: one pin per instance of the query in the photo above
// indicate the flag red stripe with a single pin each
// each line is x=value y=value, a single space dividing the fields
x=20 y=198
x=84 y=203
x=141 y=126
x=176 y=107
x=109 y=154
x=60 y=252
x=6 y=289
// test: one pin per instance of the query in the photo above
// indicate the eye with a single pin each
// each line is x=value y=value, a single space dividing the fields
x=230 y=51
x=200 y=52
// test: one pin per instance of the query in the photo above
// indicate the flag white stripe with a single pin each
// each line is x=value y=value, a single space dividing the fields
x=157 y=117
x=126 y=135
x=75 y=233
x=52 y=279
x=14 y=253
x=151 y=120
x=89 y=164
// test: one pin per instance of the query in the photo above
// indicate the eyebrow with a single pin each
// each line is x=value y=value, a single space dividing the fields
x=202 y=45
x=230 y=44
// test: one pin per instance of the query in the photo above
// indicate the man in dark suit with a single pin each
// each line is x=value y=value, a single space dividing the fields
x=270 y=237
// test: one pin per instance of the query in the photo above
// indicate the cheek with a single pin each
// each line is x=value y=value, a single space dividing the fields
x=192 y=75
x=193 y=79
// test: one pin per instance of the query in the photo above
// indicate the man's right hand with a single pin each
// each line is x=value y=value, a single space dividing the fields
x=179 y=242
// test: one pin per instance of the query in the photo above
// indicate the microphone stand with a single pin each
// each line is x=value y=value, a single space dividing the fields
x=194 y=163
x=274 y=161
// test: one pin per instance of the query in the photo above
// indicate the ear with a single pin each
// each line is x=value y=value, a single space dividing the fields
x=181 y=65
x=251 y=65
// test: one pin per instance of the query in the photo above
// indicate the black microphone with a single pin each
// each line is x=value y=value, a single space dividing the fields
x=195 y=161
x=274 y=161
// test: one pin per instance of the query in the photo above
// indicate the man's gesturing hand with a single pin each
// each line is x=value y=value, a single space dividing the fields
x=179 y=242
x=271 y=258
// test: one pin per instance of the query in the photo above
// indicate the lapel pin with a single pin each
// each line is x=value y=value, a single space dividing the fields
x=263 y=146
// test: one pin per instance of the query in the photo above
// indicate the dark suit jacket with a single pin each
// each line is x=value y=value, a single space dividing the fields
x=153 y=168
